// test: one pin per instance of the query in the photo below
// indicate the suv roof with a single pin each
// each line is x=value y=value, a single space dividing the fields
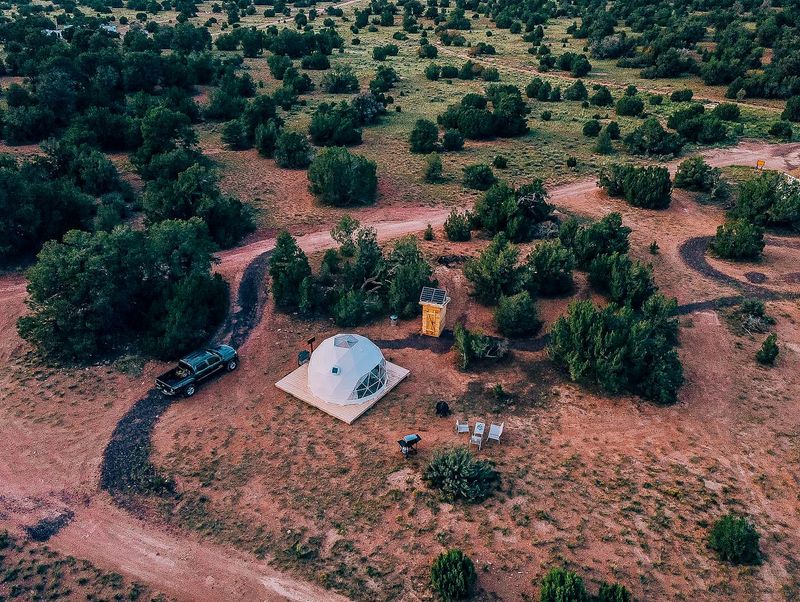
x=199 y=356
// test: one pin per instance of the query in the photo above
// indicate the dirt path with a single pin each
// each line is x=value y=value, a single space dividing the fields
x=40 y=485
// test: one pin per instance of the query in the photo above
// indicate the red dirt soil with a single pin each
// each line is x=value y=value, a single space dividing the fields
x=575 y=459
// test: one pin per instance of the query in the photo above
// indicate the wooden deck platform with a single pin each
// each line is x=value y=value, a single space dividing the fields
x=296 y=384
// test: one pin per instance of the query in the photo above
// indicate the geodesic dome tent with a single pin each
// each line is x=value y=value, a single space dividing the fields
x=347 y=369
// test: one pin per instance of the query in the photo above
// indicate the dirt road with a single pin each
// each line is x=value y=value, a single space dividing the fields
x=51 y=444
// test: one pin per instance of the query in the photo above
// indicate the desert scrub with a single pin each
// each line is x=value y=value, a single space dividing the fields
x=769 y=351
x=735 y=539
x=453 y=576
x=459 y=476
x=561 y=585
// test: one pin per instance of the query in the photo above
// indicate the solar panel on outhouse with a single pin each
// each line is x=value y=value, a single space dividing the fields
x=433 y=296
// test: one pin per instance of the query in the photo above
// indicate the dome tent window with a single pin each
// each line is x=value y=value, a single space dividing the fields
x=371 y=383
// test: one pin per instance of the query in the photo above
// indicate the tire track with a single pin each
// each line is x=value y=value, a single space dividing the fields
x=126 y=469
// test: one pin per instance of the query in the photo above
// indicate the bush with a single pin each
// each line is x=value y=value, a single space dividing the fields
x=651 y=138
x=647 y=187
x=457 y=226
x=696 y=175
x=453 y=576
x=409 y=272
x=341 y=80
x=792 y=110
x=433 y=168
x=620 y=349
x=335 y=125
x=494 y=272
x=738 y=240
x=433 y=72
x=602 y=97
x=478 y=177
x=516 y=315
x=613 y=130
x=452 y=140
x=613 y=592
x=656 y=100
x=727 y=111
x=591 y=128
x=735 y=539
x=292 y=151
x=548 y=269
x=288 y=267
x=681 y=95
x=577 y=91
x=603 y=237
x=603 y=145
x=513 y=212
x=424 y=137
x=631 y=106
x=339 y=178
x=782 y=130
x=768 y=352
x=459 y=476
x=622 y=280
x=500 y=162
x=561 y=585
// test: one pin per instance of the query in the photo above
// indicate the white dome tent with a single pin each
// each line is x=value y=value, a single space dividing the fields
x=346 y=375
x=347 y=369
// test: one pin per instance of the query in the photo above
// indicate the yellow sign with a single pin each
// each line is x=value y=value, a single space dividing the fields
x=760 y=164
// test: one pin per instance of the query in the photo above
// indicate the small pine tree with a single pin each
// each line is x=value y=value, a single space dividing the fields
x=561 y=585
x=428 y=234
x=735 y=539
x=453 y=576
x=613 y=592
x=433 y=168
x=603 y=145
x=516 y=315
x=769 y=350
x=459 y=476
x=457 y=226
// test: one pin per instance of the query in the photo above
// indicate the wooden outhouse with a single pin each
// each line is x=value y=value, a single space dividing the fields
x=434 y=310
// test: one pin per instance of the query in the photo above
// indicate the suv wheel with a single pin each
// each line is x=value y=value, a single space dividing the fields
x=232 y=365
x=190 y=390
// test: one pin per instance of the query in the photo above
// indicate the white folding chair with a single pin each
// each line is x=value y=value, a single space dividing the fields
x=476 y=440
x=462 y=427
x=495 y=431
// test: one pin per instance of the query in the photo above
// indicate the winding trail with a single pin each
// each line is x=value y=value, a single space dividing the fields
x=188 y=567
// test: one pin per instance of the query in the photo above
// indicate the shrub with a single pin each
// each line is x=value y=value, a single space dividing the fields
x=548 y=269
x=620 y=349
x=457 y=226
x=546 y=115
x=613 y=130
x=792 y=110
x=335 y=125
x=650 y=138
x=424 y=136
x=622 y=280
x=494 y=272
x=459 y=476
x=603 y=237
x=591 y=128
x=516 y=315
x=647 y=187
x=768 y=352
x=603 y=145
x=339 y=178
x=572 y=162
x=452 y=140
x=513 y=212
x=727 y=111
x=433 y=168
x=656 y=99
x=341 y=80
x=453 y=576
x=315 y=61
x=500 y=162
x=433 y=72
x=696 y=175
x=577 y=91
x=292 y=151
x=561 y=585
x=602 y=97
x=631 y=106
x=288 y=267
x=735 y=539
x=479 y=177
x=738 y=240
x=681 y=95
x=408 y=272
x=613 y=592
x=782 y=130
x=428 y=234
